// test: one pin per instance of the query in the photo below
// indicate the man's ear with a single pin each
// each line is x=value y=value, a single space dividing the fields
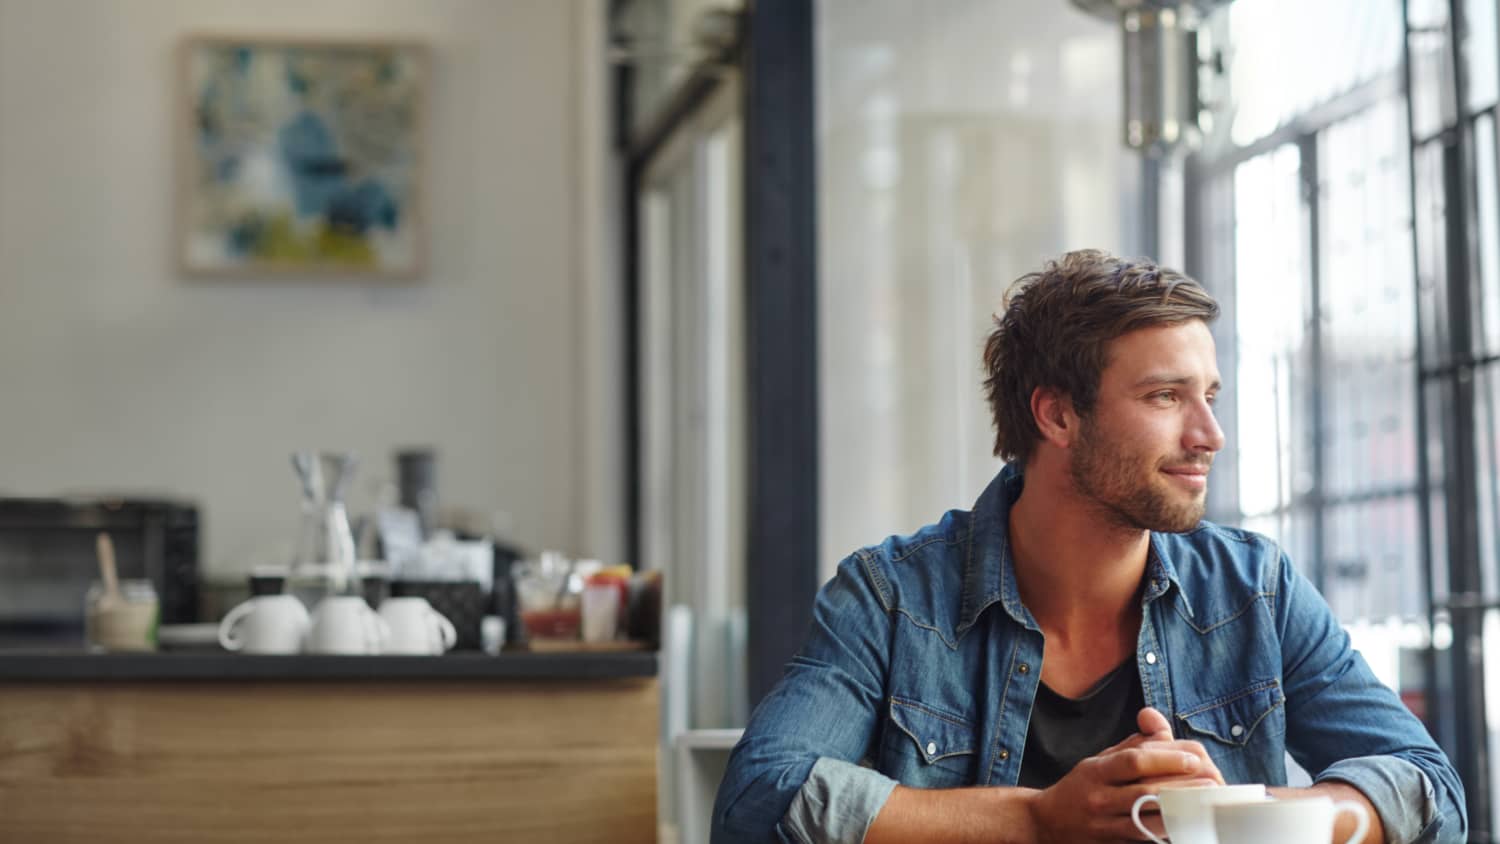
x=1054 y=416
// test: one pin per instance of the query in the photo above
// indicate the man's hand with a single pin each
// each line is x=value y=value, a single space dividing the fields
x=1154 y=727
x=1092 y=803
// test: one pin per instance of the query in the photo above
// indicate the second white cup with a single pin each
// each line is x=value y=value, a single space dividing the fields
x=416 y=629
x=1304 y=820
x=345 y=624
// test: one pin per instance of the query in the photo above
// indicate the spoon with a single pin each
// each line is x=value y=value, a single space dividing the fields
x=108 y=572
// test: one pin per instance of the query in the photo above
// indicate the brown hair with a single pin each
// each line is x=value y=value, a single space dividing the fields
x=1055 y=328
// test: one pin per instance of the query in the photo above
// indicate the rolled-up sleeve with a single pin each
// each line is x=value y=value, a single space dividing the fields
x=1343 y=724
x=837 y=803
x=793 y=776
x=1403 y=796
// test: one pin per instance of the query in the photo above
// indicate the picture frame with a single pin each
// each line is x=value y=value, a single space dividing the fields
x=301 y=157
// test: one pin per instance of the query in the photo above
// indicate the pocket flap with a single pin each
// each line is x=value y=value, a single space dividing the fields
x=1232 y=719
x=937 y=735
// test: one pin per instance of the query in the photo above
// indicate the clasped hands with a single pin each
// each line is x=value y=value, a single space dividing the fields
x=1092 y=802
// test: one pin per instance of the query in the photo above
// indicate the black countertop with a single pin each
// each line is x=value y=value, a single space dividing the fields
x=75 y=664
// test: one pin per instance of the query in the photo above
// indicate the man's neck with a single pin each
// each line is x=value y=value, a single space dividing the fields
x=1078 y=573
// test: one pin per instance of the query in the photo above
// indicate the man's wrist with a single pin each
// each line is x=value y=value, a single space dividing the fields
x=1030 y=801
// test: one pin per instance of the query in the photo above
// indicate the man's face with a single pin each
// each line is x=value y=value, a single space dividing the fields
x=1142 y=456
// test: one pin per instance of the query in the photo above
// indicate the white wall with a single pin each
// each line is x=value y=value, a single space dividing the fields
x=117 y=374
x=960 y=144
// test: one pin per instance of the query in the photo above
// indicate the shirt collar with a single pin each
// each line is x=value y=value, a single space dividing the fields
x=989 y=568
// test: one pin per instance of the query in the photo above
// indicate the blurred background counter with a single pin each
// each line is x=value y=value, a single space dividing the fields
x=193 y=747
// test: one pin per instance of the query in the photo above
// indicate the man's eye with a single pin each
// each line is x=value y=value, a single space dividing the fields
x=1165 y=395
x=1212 y=398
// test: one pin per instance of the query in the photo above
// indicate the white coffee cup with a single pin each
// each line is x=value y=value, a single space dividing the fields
x=1187 y=812
x=345 y=624
x=1302 y=820
x=265 y=624
x=416 y=628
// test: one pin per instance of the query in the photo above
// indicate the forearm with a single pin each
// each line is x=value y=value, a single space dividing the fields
x=1344 y=825
x=992 y=815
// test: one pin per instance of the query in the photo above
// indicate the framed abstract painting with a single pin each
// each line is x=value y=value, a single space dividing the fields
x=301 y=158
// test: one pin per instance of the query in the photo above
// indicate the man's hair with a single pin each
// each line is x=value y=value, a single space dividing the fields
x=1055 y=328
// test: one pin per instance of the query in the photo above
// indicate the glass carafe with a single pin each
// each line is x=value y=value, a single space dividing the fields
x=324 y=562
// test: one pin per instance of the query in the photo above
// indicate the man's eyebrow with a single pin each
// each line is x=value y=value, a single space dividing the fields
x=1173 y=381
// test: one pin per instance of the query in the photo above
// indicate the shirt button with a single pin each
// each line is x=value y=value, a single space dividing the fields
x=931 y=748
x=1150 y=657
x=1004 y=754
x=1236 y=731
x=1023 y=668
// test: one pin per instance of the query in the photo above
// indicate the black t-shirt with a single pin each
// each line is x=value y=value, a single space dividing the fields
x=1065 y=731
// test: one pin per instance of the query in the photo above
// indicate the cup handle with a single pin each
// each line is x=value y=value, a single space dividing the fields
x=227 y=639
x=446 y=633
x=1361 y=818
x=1135 y=815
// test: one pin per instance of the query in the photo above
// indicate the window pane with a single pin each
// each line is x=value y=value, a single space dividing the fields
x=1369 y=336
x=1482 y=74
x=1437 y=397
x=1271 y=287
x=1432 y=93
x=1277 y=72
x=1487 y=455
x=1487 y=232
x=1372 y=566
x=1432 y=273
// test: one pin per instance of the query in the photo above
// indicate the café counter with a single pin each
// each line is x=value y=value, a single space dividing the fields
x=179 y=747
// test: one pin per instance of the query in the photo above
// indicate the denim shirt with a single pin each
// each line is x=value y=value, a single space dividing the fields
x=922 y=664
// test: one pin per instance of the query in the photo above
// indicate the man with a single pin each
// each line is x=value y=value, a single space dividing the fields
x=1022 y=672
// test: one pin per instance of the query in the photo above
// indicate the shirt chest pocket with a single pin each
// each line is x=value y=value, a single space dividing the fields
x=1252 y=717
x=925 y=747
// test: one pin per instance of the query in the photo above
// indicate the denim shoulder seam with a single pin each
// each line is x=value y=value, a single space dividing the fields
x=914 y=549
x=877 y=579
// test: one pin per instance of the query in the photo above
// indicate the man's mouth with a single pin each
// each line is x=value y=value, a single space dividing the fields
x=1194 y=476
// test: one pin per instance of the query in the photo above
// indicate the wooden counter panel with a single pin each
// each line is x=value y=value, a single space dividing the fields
x=369 y=762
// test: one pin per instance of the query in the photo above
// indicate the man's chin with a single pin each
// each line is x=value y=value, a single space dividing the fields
x=1184 y=519
x=1181 y=515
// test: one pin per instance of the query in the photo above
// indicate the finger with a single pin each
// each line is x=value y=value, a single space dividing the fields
x=1154 y=724
x=1197 y=780
x=1209 y=768
x=1132 y=740
x=1147 y=760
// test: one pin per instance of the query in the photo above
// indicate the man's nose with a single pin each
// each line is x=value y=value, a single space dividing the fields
x=1203 y=433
